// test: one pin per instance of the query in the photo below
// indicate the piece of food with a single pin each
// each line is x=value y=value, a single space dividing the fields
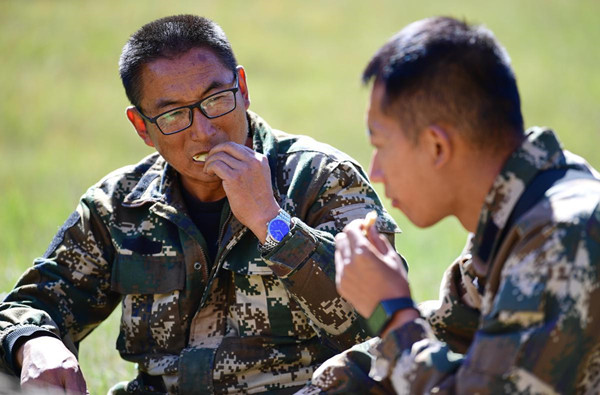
x=200 y=157
x=369 y=221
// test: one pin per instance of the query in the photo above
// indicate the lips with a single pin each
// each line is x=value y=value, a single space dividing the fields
x=201 y=157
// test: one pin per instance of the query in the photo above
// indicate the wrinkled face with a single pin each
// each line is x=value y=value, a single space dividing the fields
x=185 y=80
x=401 y=165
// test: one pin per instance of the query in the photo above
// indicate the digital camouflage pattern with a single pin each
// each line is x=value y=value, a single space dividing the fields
x=247 y=323
x=525 y=320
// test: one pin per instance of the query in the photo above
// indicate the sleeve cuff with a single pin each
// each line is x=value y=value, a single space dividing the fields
x=17 y=337
x=403 y=338
x=394 y=345
x=293 y=251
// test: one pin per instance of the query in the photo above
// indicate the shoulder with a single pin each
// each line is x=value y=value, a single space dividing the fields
x=569 y=204
x=553 y=266
x=288 y=151
x=558 y=240
x=120 y=182
x=301 y=145
x=300 y=156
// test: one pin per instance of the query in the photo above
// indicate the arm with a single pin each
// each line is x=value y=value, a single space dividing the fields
x=334 y=195
x=304 y=260
x=63 y=296
x=538 y=334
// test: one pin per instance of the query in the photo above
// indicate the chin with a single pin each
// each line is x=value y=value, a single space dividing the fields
x=422 y=221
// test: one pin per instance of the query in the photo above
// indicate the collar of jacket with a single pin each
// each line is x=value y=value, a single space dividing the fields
x=540 y=151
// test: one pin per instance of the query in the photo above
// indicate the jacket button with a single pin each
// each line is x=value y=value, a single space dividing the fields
x=197 y=265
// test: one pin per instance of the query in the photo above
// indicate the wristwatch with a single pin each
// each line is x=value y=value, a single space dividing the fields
x=384 y=312
x=277 y=229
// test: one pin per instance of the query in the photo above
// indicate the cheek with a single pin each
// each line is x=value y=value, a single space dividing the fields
x=402 y=174
x=234 y=126
x=391 y=164
x=170 y=147
x=239 y=130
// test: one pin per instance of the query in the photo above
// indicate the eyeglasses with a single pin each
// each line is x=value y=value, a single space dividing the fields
x=181 y=118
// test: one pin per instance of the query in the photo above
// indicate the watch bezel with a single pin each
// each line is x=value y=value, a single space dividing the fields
x=377 y=320
x=271 y=230
x=271 y=242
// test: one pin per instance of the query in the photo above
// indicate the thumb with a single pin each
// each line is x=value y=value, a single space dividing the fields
x=378 y=240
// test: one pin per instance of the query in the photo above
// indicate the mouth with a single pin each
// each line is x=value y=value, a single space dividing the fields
x=201 y=157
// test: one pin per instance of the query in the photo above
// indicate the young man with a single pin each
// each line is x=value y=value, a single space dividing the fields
x=219 y=247
x=520 y=308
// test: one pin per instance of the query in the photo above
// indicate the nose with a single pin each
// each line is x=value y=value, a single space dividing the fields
x=201 y=127
x=375 y=171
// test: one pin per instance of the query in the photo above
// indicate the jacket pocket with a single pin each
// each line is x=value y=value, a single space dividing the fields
x=137 y=274
x=150 y=321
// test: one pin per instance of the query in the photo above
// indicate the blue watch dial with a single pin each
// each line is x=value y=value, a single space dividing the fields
x=278 y=228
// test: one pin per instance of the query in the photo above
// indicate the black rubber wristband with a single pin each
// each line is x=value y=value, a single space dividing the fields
x=384 y=312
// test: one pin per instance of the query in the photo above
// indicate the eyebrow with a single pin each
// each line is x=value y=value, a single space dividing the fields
x=162 y=103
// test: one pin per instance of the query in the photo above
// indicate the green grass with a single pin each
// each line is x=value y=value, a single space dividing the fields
x=62 y=123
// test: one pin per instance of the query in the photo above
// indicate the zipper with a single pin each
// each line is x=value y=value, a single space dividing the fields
x=221 y=233
x=217 y=262
x=220 y=251
x=205 y=265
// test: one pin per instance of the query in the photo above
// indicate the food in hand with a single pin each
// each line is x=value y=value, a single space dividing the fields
x=369 y=221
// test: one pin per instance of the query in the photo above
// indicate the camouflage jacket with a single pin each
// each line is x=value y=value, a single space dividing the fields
x=253 y=323
x=524 y=318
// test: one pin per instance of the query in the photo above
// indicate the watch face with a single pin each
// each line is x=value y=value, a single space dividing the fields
x=377 y=320
x=278 y=228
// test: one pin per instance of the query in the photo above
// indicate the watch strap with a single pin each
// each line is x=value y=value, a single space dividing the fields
x=385 y=311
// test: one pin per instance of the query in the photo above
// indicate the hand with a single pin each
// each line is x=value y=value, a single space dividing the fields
x=368 y=269
x=46 y=363
x=247 y=183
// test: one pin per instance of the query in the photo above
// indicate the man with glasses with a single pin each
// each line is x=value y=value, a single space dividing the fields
x=219 y=247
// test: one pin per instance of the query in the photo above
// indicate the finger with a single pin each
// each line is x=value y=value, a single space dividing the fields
x=339 y=267
x=342 y=247
x=343 y=276
x=220 y=168
x=238 y=151
x=77 y=388
x=76 y=383
x=355 y=234
x=367 y=239
x=225 y=157
x=377 y=239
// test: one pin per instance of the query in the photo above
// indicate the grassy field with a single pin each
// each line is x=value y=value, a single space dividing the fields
x=63 y=126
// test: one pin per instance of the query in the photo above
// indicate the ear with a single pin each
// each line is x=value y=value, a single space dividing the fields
x=243 y=85
x=438 y=145
x=139 y=124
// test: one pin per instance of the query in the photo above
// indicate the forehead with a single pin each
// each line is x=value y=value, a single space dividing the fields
x=193 y=58
x=182 y=74
x=381 y=124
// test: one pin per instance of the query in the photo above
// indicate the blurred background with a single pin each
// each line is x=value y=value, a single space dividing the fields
x=63 y=124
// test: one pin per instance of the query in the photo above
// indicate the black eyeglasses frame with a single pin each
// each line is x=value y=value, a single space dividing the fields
x=191 y=107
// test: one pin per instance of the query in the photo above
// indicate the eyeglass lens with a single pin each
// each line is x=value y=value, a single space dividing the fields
x=213 y=107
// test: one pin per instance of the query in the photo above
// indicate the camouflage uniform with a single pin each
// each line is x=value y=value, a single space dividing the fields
x=252 y=323
x=524 y=320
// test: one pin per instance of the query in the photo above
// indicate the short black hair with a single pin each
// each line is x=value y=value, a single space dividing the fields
x=441 y=70
x=170 y=37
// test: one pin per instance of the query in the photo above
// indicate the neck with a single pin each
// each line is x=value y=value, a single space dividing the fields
x=479 y=174
x=205 y=192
